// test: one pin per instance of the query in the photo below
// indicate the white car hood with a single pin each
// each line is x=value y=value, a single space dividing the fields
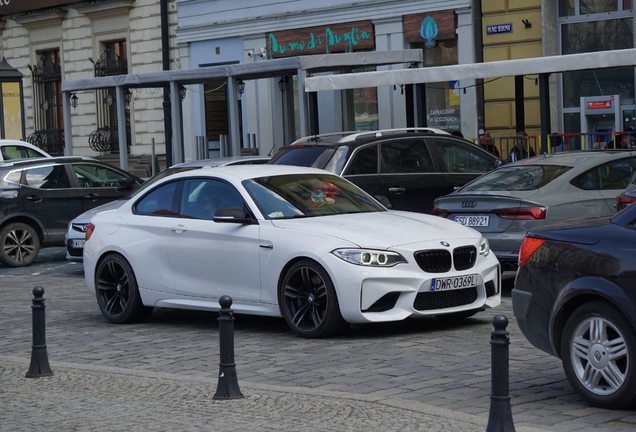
x=381 y=229
x=85 y=217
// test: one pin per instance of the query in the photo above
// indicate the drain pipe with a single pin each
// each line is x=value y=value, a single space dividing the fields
x=165 y=57
x=479 y=58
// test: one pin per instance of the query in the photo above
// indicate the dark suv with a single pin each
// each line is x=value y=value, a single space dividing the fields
x=405 y=169
x=39 y=197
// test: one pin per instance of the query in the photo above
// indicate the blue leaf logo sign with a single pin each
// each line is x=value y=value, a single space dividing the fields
x=429 y=31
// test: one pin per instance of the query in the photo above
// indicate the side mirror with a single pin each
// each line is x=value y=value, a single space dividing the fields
x=126 y=182
x=232 y=214
x=383 y=200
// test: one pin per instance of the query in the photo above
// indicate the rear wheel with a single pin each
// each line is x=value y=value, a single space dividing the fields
x=309 y=303
x=117 y=291
x=20 y=245
x=599 y=355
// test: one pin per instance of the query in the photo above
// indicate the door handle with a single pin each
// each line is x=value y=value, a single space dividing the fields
x=91 y=196
x=178 y=228
x=34 y=198
x=397 y=190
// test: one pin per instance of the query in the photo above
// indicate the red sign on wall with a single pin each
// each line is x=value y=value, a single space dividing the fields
x=599 y=104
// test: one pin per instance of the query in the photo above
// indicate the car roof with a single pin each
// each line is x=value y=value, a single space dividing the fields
x=243 y=172
x=221 y=161
x=576 y=158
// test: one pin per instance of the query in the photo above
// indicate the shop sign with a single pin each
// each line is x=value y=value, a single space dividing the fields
x=337 y=38
x=8 y=7
x=499 y=28
x=430 y=28
x=599 y=104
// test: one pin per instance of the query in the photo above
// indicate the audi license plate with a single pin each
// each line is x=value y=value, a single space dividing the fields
x=452 y=283
x=77 y=244
x=472 y=221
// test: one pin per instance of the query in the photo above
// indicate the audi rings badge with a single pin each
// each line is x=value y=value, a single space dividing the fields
x=469 y=204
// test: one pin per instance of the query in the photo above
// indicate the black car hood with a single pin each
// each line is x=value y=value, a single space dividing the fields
x=585 y=231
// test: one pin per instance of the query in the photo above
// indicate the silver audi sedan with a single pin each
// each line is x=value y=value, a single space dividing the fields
x=505 y=203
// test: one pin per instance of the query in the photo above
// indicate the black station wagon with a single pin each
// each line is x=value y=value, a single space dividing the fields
x=405 y=169
x=39 y=197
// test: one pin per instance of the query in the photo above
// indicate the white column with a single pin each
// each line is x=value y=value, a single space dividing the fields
x=466 y=55
x=389 y=35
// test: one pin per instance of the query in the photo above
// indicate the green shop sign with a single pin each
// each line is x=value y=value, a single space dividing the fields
x=337 y=38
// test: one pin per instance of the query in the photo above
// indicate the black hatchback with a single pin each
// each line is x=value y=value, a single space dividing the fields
x=39 y=197
x=575 y=298
x=405 y=169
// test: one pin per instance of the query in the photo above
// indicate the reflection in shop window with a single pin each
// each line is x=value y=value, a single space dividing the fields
x=365 y=102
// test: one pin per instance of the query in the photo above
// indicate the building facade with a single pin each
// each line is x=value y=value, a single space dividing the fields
x=50 y=41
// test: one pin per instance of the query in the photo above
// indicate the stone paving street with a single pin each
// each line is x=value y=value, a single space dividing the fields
x=161 y=374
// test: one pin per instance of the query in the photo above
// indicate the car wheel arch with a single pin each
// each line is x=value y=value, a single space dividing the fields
x=584 y=291
x=28 y=221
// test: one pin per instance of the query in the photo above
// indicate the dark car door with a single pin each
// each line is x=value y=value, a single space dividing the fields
x=362 y=168
x=98 y=184
x=464 y=161
x=48 y=195
x=410 y=177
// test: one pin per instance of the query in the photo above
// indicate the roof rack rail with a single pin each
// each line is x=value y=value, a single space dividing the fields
x=382 y=132
x=317 y=137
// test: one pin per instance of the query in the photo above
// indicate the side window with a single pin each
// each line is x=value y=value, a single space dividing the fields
x=160 y=201
x=91 y=175
x=363 y=161
x=609 y=176
x=463 y=157
x=406 y=156
x=18 y=152
x=201 y=198
x=48 y=177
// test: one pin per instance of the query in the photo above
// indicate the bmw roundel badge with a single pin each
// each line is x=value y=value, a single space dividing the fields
x=445 y=243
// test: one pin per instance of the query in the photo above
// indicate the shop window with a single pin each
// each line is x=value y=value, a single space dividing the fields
x=589 y=7
x=442 y=98
x=113 y=61
x=216 y=119
x=46 y=75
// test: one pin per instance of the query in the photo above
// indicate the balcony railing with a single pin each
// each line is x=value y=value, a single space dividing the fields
x=106 y=139
x=51 y=141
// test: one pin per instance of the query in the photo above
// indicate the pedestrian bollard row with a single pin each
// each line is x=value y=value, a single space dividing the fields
x=39 y=358
x=227 y=387
x=500 y=418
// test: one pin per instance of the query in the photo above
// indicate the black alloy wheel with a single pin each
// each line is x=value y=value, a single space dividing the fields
x=309 y=303
x=20 y=245
x=117 y=291
x=599 y=355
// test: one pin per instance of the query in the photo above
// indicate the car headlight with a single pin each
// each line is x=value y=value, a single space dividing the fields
x=484 y=247
x=367 y=257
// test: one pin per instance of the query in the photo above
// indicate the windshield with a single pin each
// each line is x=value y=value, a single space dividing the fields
x=301 y=155
x=308 y=195
x=517 y=178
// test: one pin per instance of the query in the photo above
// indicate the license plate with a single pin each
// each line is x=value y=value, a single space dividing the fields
x=452 y=283
x=472 y=221
x=78 y=244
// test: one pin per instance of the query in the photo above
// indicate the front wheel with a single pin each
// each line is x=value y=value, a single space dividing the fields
x=20 y=245
x=117 y=291
x=599 y=355
x=308 y=301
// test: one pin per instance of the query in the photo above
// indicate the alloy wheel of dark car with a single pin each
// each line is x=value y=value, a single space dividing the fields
x=309 y=303
x=599 y=355
x=20 y=245
x=117 y=291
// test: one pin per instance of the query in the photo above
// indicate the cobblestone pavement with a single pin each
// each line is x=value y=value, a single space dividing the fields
x=161 y=374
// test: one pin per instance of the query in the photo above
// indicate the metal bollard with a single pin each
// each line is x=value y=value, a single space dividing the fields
x=500 y=419
x=39 y=358
x=227 y=387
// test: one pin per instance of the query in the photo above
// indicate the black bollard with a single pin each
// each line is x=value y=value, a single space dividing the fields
x=39 y=358
x=228 y=387
x=500 y=419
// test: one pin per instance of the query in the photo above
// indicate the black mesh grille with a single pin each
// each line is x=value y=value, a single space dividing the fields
x=464 y=257
x=433 y=261
x=426 y=301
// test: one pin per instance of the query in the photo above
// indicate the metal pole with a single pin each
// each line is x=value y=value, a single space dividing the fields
x=39 y=359
x=227 y=387
x=500 y=419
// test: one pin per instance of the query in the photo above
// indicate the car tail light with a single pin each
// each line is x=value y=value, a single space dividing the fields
x=89 y=231
x=439 y=212
x=623 y=201
x=522 y=213
x=528 y=248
